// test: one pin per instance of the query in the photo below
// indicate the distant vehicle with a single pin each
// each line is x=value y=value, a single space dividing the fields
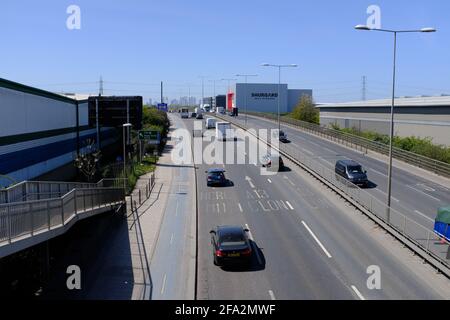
x=193 y=115
x=230 y=244
x=215 y=177
x=184 y=113
x=224 y=131
x=210 y=123
x=199 y=116
x=283 y=136
x=231 y=113
x=269 y=160
x=220 y=110
x=442 y=223
x=206 y=107
x=351 y=171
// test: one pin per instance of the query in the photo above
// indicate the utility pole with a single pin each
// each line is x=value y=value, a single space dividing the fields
x=162 y=99
x=100 y=90
x=364 y=88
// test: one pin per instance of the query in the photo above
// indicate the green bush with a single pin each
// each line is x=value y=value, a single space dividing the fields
x=306 y=111
x=421 y=146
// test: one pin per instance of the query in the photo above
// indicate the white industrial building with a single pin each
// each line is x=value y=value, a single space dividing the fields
x=263 y=97
x=422 y=116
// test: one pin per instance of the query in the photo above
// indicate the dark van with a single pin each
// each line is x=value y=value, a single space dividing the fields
x=351 y=171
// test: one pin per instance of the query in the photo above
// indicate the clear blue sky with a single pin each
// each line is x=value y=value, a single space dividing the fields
x=135 y=44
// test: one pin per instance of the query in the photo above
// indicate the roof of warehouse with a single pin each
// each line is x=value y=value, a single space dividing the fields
x=421 y=101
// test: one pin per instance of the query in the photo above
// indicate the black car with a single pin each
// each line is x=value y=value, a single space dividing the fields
x=193 y=115
x=216 y=177
x=270 y=159
x=199 y=116
x=230 y=244
x=283 y=136
x=351 y=171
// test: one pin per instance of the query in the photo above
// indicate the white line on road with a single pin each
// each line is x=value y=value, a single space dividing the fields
x=321 y=158
x=385 y=194
x=249 y=181
x=317 y=240
x=171 y=238
x=360 y=296
x=285 y=177
x=420 y=191
x=289 y=205
x=163 y=284
x=308 y=152
x=270 y=181
x=423 y=215
x=378 y=172
x=240 y=207
x=272 y=296
x=316 y=144
x=250 y=235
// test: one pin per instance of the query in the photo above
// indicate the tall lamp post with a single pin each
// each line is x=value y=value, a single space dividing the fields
x=279 y=66
x=391 y=131
x=245 y=94
x=214 y=91
x=125 y=125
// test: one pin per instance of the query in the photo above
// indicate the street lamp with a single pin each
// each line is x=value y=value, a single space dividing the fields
x=214 y=91
x=245 y=94
x=125 y=125
x=391 y=132
x=279 y=66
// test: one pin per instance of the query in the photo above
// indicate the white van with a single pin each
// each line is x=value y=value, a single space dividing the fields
x=224 y=132
x=220 y=110
x=210 y=123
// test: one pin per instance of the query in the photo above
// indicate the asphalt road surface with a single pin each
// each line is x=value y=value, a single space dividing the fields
x=414 y=196
x=308 y=243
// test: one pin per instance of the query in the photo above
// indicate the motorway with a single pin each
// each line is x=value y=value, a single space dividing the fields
x=309 y=244
x=412 y=195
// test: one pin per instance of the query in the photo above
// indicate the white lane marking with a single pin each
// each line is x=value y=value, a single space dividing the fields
x=360 y=296
x=171 y=238
x=240 y=207
x=270 y=181
x=316 y=144
x=423 y=185
x=321 y=158
x=249 y=180
x=218 y=208
x=317 y=240
x=250 y=235
x=378 y=172
x=423 y=215
x=163 y=284
x=308 y=152
x=385 y=194
x=332 y=151
x=420 y=191
x=272 y=296
x=289 y=205
x=286 y=178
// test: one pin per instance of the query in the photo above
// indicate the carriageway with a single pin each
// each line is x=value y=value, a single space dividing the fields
x=32 y=212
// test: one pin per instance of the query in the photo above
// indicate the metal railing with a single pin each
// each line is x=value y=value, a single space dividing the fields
x=417 y=234
x=38 y=190
x=26 y=219
x=362 y=144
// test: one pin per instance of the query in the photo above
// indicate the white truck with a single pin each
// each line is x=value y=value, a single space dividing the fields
x=220 y=110
x=184 y=113
x=224 y=131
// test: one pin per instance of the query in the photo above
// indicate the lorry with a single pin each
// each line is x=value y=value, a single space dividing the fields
x=442 y=223
x=184 y=113
x=220 y=110
x=224 y=131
